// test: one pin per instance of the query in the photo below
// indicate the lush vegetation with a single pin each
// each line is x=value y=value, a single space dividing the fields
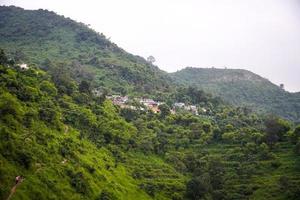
x=243 y=88
x=70 y=144
x=40 y=37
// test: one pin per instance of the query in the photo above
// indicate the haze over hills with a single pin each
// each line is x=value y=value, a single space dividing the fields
x=69 y=143
x=37 y=36
x=243 y=88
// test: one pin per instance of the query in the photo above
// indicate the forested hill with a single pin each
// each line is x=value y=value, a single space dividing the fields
x=42 y=37
x=242 y=87
x=68 y=143
x=49 y=40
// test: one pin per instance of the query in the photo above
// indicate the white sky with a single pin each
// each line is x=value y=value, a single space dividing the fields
x=262 y=36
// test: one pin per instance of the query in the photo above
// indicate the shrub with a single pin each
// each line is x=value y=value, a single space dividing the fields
x=79 y=183
x=23 y=159
x=107 y=195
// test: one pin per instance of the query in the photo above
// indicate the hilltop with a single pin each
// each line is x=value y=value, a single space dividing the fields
x=40 y=36
x=243 y=88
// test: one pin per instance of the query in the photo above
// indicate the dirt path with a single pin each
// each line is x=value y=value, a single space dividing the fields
x=13 y=190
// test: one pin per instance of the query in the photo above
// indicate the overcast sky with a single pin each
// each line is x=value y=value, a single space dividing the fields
x=262 y=36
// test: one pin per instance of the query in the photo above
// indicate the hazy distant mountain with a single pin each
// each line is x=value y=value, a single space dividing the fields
x=38 y=36
x=242 y=87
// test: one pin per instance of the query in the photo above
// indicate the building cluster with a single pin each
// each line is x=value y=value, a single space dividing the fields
x=190 y=108
x=152 y=105
x=124 y=102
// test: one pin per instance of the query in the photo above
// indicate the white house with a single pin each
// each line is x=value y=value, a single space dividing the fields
x=23 y=66
x=179 y=105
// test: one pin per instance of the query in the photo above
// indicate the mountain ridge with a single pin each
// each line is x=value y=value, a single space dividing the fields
x=242 y=87
x=37 y=36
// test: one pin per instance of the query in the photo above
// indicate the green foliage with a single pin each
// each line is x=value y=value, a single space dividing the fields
x=197 y=188
x=164 y=110
x=85 y=87
x=48 y=88
x=75 y=148
x=3 y=59
x=106 y=195
x=10 y=106
x=276 y=129
x=71 y=144
x=242 y=88
x=297 y=148
x=45 y=38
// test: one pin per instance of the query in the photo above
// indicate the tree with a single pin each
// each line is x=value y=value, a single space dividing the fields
x=164 y=110
x=79 y=183
x=62 y=79
x=206 y=127
x=9 y=105
x=197 y=188
x=297 y=131
x=3 y=58
x=151 y=59
x=281 y=86
x=276 y=130
x=297 y=148
x=85 y=87
x=48 y=88
x=107 y=195
x=294 y=135
x=216 y=172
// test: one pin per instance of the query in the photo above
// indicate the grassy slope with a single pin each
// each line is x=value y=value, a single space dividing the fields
x=37 y=149
x=264 y=183
x=47 y=178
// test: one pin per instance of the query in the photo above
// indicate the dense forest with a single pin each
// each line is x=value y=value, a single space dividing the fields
x=243 y=88
x=40 y=37
x=68 y=143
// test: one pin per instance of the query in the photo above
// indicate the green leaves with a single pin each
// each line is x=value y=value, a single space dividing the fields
x=9 y=105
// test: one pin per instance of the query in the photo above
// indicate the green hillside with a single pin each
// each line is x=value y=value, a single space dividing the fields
x=68 y=143
x=243 y=88
x=38 y=36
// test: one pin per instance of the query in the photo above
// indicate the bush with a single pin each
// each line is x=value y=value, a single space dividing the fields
x=149 y=188
x=284 y=182
x=275 y=164
x=197 y=188
x=78 y=182
x=23 y=159
x=48 y=88
x=297 y=148
x=107 y=195
x=10 y=106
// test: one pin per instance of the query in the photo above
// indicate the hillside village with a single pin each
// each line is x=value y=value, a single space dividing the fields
x=143 y=103
x=151 y=105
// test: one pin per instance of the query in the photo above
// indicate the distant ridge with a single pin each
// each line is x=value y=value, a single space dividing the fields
x=242 y=87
